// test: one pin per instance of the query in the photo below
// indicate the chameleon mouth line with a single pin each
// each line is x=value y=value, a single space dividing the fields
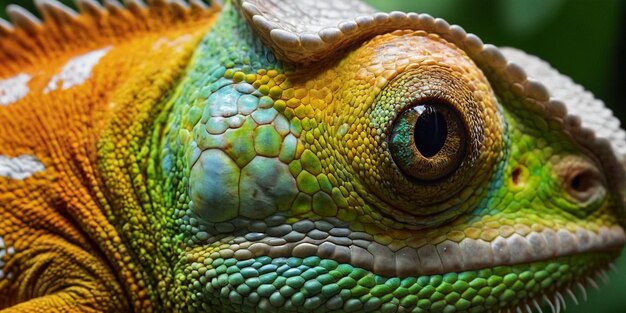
x=361 y=250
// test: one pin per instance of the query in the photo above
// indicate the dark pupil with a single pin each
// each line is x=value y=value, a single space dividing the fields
x=431 y=131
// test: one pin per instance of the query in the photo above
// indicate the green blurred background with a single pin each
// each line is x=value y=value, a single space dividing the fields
x=584 y=39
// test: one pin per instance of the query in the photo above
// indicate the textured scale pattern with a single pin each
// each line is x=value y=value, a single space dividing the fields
x=580 y=102
x=314 y=285
x=174 y=157
x=68 y=255
x=313 y=17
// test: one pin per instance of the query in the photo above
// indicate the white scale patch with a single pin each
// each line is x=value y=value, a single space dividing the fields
x=76 y=71
x=4 y=251
x=176 y=43
x=14 y=88
x=20 y=167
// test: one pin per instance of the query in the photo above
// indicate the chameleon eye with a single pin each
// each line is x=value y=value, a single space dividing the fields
x=436 y=135
x=428 y=141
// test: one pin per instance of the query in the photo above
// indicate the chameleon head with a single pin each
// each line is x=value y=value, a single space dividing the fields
x=416 y=170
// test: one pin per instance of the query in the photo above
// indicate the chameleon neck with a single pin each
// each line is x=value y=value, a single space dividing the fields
x=134 y=200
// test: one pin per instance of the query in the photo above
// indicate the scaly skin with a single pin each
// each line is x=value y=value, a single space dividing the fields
x=205 y=174
x=66 y=234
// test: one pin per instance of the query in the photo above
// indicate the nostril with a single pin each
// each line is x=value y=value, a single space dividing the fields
x=584 y=184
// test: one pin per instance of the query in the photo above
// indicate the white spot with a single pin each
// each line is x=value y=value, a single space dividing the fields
x=14 y=88
x=20 y=167
x=5 y=252
x=176 y=43
x=1 y=257
x=77 y=70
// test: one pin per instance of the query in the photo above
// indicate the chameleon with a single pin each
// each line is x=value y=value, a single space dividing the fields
x=283 y=156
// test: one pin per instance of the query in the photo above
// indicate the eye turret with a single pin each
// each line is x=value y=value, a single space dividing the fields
x=443 y=137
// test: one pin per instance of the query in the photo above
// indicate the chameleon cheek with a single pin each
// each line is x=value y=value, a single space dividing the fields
x=238 y=151
x=220 y=190
x=214 y=186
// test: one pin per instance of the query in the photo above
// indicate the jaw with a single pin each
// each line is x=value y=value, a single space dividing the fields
x=324 y=266
x=313 y=284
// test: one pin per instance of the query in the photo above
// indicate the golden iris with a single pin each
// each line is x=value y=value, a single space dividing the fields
x=428 y=141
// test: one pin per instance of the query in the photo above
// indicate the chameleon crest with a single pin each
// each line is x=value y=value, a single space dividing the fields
x=283 y=156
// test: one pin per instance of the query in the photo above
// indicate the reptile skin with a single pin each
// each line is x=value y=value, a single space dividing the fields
x=283 y=156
